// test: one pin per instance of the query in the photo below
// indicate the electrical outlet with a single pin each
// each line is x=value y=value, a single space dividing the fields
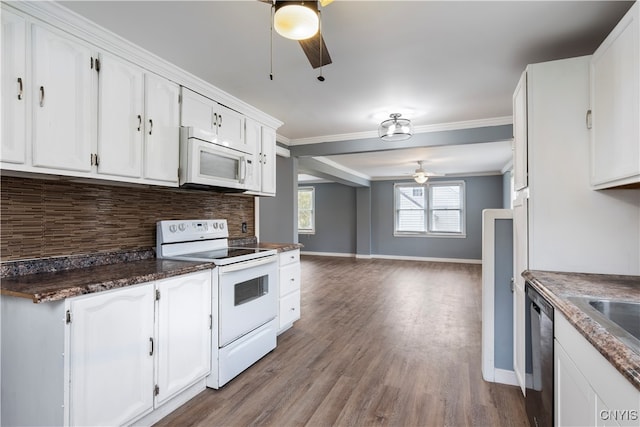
x=244 y=227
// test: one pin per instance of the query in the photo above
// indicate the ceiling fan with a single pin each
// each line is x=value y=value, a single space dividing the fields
x=300 y=20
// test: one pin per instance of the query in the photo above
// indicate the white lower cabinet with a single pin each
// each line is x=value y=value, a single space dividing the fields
x=184 y=335
x=289 y=292
x=108 y=358
x=589 y=391
x=111 y=356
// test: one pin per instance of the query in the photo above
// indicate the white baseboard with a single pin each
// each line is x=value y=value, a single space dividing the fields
x=418 y=258
x=504 y=376
x=336 y=254
x=394 y=257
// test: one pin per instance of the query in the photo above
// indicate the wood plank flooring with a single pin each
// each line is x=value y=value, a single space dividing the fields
x=380 y=342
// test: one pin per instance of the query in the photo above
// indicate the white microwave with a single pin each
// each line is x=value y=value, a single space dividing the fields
x=206 y=163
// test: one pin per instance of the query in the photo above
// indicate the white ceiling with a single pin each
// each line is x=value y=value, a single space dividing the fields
x=437 y=62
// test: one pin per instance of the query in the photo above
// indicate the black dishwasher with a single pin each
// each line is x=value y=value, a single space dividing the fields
x=539 y=392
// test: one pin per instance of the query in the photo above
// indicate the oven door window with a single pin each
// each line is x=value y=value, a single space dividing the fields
x=219 y=166
x=250 y=290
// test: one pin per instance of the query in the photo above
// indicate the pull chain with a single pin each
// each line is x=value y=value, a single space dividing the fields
x=273 y=6
x=320 y=77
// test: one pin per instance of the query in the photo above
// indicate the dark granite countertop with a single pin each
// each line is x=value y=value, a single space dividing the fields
x=57 y=278
x=280 y=247
x=558 y=287
x=253 y=243
x=64 y=277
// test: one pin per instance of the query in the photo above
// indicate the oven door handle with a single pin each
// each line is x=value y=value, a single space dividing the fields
x=247 y=264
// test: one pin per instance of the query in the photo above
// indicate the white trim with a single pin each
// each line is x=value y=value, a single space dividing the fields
x=395 y=257
x=504 y=376
x=508 y=167
x=335 y=254
x=468 y=124
x=489 y=216
x=428 y=259
x=341 y=167
x=282 y=152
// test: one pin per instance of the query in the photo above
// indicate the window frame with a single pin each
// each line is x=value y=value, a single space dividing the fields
x=428 y=210
x=312 y=190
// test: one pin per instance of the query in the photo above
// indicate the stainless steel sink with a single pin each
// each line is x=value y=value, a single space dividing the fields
x=620 y=318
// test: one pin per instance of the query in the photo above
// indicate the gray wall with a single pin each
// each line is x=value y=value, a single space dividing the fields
x=335 y=220
x=503 y=297
x=342 y=212
x=506 y=190
x=482 y=192
x=278 y=215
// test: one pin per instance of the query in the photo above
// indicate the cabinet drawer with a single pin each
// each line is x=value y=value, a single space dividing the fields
x=289 y=309
x=289 y=279
x=289 y=257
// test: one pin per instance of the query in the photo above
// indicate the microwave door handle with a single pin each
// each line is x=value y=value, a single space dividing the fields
x=243 y=169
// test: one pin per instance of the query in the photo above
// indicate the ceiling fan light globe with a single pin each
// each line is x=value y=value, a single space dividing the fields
x=420 y=177
x=296 y=21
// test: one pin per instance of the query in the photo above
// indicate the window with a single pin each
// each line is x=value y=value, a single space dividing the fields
x=434 y=209
x=306 y=210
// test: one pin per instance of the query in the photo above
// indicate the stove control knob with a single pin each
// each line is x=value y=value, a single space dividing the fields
x=222 y=226
x=182 y=226
x=215 y=225
x=173 y=228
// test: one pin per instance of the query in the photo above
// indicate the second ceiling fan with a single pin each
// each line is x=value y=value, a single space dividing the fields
x=300 y=20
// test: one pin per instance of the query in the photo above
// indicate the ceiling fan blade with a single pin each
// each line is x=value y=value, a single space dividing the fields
x=311 y=48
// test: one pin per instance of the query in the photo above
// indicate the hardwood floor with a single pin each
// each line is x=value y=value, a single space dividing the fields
x=380 y=342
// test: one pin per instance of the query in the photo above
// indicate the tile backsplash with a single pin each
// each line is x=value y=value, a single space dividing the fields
x=47 y=218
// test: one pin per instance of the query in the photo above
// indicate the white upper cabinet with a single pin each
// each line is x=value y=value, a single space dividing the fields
x=63 y=100
x=263 y=170
x=615 y=105
x=253 y=138
x=520 y=134
x=138 y=122
x=78 y=101
x=268 y=161
x=226 y=125
x=14 y=104
x=162 y=129
x=120 y=117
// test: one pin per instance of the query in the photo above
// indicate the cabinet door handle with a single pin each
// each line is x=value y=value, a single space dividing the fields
x=42 y=96
x=19 y=87
x=150 y=126
x=215 y=120
x=139 y=122
x=588 y=119
x=220 y=120
x=151 y=351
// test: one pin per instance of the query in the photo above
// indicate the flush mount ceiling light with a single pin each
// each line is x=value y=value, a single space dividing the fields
x=420 y=176
x=296 y=20
x=395 y=128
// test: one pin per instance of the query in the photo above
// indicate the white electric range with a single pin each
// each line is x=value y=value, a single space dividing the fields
x=246 y=301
